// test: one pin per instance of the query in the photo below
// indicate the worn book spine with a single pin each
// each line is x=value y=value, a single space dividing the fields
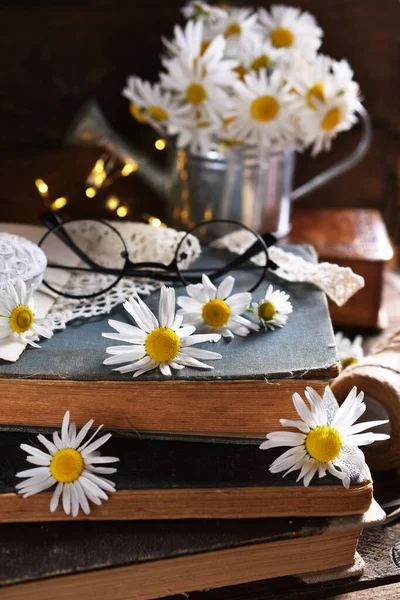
x=214 y=408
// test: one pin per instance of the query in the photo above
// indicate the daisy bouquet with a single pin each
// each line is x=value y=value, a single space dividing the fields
x=236 y=76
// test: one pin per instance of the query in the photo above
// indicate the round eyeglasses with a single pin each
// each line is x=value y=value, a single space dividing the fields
x=93 y=255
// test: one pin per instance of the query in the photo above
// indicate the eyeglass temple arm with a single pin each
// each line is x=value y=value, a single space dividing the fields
x=53 y=221
x=254 y=249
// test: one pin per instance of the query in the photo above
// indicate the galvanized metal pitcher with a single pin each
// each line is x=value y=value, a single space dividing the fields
x=247 y=184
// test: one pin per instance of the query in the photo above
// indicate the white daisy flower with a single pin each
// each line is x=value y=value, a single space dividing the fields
x=161 y=342
x=343 y=80
x=291 y=29
x=320 y=126
x=72 y=465
x=17 y=315
x=201 y=83
x=321 y=446
x=201 y=10
x=273 y=310
x=239 y=27
x=191 y=42
x=311 y=80
x=150 y=104
x=200 y=136
x=258 y=54
x=214 y=310
x=350 y=352
x=261 y=110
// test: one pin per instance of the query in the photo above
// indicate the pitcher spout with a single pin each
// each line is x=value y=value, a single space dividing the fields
x=91 y=128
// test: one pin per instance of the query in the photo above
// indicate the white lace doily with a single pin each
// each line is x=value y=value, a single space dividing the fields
x=148 y=244
x=339 y=283
x=145 y=243
x=20 y=259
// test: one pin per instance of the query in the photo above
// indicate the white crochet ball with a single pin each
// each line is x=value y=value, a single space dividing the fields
x=20 y=259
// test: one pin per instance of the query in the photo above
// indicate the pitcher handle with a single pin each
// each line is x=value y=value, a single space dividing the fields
x=344 y=165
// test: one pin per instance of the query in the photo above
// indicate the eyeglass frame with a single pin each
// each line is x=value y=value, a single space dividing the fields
x=163 y=272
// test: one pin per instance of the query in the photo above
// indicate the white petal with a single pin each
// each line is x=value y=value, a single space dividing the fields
x=239 y=303
x=199 y=353
x=185 y=331
x=128 y=356
x=127 y=330
x=177 y=322
x=100 y=459
x=39 y=460
x=142 y=363
x=196 y=291
x=74 y=500
x=166 y=307
x=237 y=329
x=56 y=497
x=64 y=428
x=297 y=424
x=33 y=472
x=96 y=444
x=47 y=443
x=291 y=438
x=145 y=323
x=188 y=361
x=200 y=338
x=82 y=497
x=34 y=451
x=189 y=305
x=303 y=411
x=363 y=439
x=101 y=482
x=317 y=405
x=225 y=287
x=92 y=491
x=82 y=434
x=121 y=337
x=363 y=426
x=209 y=288
x=165 y=370
x=66 y=498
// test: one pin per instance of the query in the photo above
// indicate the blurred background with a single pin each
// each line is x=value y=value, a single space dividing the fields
x=56 y=57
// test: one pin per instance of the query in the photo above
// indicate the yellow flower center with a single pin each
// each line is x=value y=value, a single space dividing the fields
x=157 y=113
x=216 y=313
x=204 y=45
x=137 y=113
x=162 y=344
x=331 y=119
x=316 y=92
x=261 y=62
x=241 y=71
x=67 y=465
x=282 y=37
x=233 y=29
x=350 y=360
x=266 y=311
x=21 y=319
x=195 y=93
x=264 y=108
x=324 y=443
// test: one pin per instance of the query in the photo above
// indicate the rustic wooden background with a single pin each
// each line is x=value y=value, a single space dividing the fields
x=56 y=56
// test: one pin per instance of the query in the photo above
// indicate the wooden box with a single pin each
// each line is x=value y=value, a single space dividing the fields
x=355 y=238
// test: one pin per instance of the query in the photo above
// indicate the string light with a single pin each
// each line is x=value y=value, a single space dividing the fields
x=160 y=144
x=90 y=192
x=99 y=178
x=99 y=166
x=112 y=202
x=42 y=187
x=58 y=203
x=154 y=222
x=122 y=211
x=129 y=167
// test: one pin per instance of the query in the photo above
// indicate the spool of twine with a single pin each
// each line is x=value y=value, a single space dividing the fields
x=378 y=375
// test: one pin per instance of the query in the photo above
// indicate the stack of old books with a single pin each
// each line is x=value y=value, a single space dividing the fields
x=196 y=506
